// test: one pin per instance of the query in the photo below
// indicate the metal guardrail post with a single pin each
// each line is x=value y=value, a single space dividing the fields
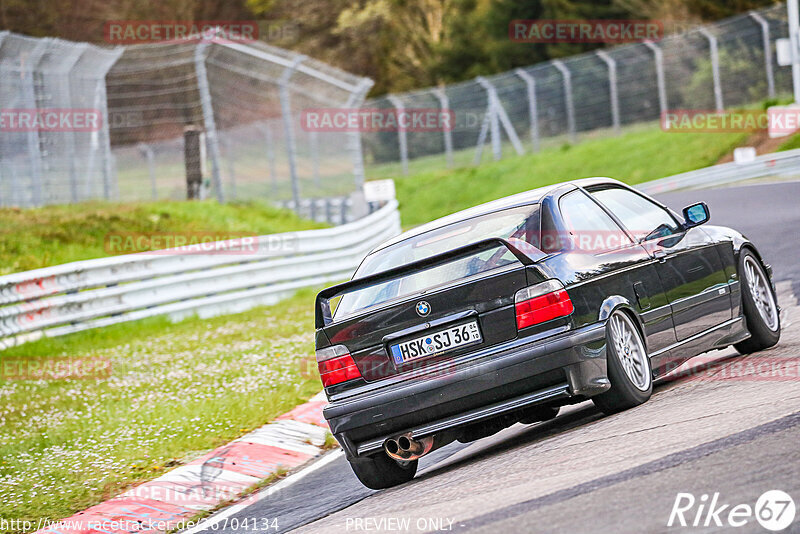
x=614 y=92
x=444 y=106
x=530 y=84
x=206 y=104
x=658 y=57
x=570 y=104
x=761 y=21
x=499 y=115
x=288 y=128
x=402 y=136
x=714 y=48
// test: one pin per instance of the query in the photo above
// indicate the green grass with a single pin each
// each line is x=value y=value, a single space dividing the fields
x=175 y=391
x=39 y=237
x=635 y=157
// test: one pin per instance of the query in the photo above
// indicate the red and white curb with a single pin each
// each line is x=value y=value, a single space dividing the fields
x=169 y=501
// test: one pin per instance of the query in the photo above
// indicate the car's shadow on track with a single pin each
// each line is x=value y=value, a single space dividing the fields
x=458 y=455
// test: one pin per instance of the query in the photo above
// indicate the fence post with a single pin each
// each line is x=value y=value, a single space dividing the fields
x=658 y=56
x=499 y=114
x=713 y=45
x=794 y=36
x=231 y=163
x=767 y=51
x=208 y=117
x=530 y=83
x=288 y=128
x=562 y=68
x=147 y=152
x=266 y=129
x=444 y=105
x=494 y=122
x=313 y=146
x=33 y=140
x=612 y=81
x=402 y=136
x=354 y=138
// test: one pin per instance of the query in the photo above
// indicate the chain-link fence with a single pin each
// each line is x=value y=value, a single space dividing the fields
x=728 y=64
x=62 y=162
x=245 y=99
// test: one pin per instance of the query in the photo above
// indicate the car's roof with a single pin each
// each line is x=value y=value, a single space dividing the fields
x=533 y=196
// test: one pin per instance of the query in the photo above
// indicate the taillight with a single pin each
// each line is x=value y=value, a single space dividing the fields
x=541 y=303
x=336 y=365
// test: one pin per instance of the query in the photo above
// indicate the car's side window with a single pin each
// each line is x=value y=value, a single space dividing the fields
x=588 y=226
x=642 y=218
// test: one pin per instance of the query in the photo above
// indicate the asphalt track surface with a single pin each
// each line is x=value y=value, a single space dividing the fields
x=731 y=433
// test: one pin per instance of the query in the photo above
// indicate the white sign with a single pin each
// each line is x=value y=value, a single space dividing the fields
x=745 y=154
x=379 y=191
x=784 y=49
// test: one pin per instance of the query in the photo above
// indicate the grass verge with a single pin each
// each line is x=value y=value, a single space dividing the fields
x=175 y=391
x=634 y=157
x=40 y=237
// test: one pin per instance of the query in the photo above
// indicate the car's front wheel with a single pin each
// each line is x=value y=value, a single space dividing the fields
x=380 y=471
x=760 y=306
x=629 y=367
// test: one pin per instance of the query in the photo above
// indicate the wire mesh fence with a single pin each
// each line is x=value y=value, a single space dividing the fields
x=246 y=101
x=728 y=64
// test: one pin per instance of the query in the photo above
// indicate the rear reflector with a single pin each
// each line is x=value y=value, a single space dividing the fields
x=541 y=303
x=336 y=365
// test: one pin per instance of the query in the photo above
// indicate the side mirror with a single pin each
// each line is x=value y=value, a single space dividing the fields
x=696 y=214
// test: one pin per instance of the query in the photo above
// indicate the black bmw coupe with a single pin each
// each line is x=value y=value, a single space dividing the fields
x=505 y=312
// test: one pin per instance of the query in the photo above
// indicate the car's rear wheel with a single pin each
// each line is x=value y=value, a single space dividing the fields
x=380 y=471
x=629 y=367
x=760 y=306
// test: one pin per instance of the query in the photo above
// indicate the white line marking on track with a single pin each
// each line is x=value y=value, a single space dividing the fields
x=266 y=492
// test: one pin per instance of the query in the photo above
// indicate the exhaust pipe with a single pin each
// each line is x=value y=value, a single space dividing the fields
x=406 y=448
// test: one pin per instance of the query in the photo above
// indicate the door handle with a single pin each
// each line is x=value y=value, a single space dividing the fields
x=660 y=255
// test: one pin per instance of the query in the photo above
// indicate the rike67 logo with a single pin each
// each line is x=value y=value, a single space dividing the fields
x=774 y=510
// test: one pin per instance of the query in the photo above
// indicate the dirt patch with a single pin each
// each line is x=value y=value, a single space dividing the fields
x=761 y=141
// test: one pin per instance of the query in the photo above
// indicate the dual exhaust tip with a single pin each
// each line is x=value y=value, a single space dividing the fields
x=406 y=448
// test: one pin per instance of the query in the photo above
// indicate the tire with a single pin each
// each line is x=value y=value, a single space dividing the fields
x=629 y=367
x=380 y=471
x=760 y=305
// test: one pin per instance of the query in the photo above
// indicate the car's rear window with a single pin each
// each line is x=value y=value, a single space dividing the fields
x=521 y=223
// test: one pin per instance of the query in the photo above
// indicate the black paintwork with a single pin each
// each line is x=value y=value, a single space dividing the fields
x=683 y=290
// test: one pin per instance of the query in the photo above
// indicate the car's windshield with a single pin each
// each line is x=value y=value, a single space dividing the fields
x=520 y=225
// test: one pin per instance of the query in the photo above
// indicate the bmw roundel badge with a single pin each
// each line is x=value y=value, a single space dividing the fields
x=423 y=308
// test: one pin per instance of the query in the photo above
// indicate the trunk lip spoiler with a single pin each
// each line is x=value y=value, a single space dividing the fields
x=323 y=316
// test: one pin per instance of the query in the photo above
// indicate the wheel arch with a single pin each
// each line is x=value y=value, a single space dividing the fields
x=619 y=303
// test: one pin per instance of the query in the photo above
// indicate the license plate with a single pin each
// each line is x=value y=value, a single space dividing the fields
x=436 y=342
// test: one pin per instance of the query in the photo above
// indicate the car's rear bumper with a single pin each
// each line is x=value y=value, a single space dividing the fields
x=500 y=379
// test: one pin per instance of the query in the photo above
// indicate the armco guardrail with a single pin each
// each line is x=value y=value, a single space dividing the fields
x=776 y=164
x=180 y=282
